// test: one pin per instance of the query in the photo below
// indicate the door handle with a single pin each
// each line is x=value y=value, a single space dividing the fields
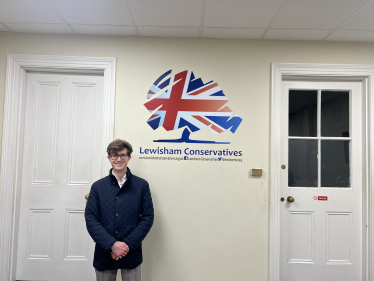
x=86 y=196
x=290 y=199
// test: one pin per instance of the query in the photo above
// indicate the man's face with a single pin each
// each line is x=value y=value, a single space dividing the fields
x=119 y=161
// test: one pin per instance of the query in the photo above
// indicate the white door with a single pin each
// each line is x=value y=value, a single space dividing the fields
x=62 y=157
x=321 y=226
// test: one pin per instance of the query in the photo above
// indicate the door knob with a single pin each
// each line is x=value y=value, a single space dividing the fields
x=86 y=196
x=290 y=199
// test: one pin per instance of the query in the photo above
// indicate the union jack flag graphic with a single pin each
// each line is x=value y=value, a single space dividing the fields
x=183 y=101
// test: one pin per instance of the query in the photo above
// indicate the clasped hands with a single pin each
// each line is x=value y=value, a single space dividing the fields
x=119 y=250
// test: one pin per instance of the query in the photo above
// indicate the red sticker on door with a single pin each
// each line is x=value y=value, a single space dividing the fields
x=322 y=198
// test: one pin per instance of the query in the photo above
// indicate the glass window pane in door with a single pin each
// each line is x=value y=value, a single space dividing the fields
x=335 y=166
x=302 y=163
x=302 y=113
x=335 y=114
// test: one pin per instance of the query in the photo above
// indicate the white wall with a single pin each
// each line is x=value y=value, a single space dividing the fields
x=211 y=218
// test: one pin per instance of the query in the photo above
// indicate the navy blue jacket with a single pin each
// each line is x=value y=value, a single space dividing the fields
x=119 y=214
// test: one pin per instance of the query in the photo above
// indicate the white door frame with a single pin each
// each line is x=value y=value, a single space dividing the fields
x=364 y=73
x=12 y=137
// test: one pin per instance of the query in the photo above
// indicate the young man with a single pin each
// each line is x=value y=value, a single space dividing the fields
x=119 y=215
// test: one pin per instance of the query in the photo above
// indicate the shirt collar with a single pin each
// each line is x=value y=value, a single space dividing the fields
x=123 y=179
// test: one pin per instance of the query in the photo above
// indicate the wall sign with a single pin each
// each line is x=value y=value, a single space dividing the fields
x=183 y=101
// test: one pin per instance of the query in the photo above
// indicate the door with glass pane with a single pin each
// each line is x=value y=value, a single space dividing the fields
x=321 y=178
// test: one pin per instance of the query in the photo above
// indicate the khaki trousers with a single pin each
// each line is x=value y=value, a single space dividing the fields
x=133 y=274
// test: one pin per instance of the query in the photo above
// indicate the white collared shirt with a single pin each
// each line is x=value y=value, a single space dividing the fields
x=123 y=180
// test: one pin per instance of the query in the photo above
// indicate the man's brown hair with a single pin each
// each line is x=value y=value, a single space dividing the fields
x=118 y=145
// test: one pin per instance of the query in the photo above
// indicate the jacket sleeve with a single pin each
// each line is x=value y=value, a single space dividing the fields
x=135 y=238
x=92 y=214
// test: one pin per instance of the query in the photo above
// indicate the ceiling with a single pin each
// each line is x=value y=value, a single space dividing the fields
x=321 y=20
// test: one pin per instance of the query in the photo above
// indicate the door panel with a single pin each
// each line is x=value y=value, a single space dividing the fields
x=301 y=240
x=321 y=230
x=61 y=159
